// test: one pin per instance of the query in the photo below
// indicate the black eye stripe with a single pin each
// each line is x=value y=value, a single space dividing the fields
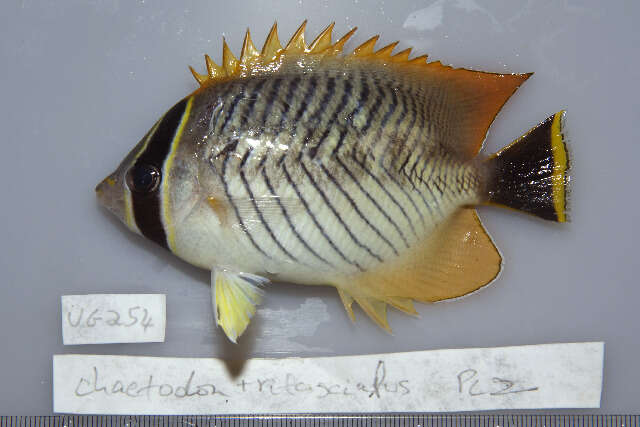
x=146 y=206
x=143 y=178
x=160 y=143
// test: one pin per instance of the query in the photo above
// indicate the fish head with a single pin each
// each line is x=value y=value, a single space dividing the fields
x=139 y=191
x=114 y=192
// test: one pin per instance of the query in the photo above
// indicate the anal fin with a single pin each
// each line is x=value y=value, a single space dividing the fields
x=375 y=309
x=457 y=259
x=234 y=297
x=347 y=301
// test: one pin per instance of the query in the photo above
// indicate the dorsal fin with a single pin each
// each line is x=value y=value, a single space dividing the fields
x=473 y=98
x=271 y=56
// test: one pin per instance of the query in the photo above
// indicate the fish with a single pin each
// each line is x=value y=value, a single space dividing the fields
x=360 y=170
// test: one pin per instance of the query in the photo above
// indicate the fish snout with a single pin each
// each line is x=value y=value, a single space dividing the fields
x=105 y=186
x=110 y=195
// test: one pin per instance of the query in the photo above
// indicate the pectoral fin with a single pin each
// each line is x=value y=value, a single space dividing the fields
x=253 y=210
x=234 y=297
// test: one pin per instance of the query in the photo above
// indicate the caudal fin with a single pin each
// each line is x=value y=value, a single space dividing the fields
x=532 y=173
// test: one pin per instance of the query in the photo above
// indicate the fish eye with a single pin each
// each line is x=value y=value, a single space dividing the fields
x=143 y=178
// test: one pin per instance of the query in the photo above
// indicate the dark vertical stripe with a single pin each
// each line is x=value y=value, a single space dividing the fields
x=267 y=181
x=357 y=209
x=255 y=96
x=243 y=226
x=363 y=166
x=392 y=140
x=420 y=140
x=315 y=220
x=263 y=221
x=316 y=118
x=413 y=114
x=231 y=108
x=334 y=120
x=311 y=86
x=373 y=110
x=436 y=158
x=373 y=201
x=146 y=206
x=272 y=97
x=361 y=102
x=292 y=88
x=337 y=215
x=364 y=96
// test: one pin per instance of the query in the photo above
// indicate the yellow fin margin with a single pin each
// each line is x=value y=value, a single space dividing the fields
x=272 y=53
x=560 y=166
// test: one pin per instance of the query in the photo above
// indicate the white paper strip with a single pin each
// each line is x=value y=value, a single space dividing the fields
x=537 y=376
x=113 y=318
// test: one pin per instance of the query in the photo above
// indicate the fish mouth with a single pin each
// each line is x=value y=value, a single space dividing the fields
x=108 y=181
x=99 y=188
x=105 y=187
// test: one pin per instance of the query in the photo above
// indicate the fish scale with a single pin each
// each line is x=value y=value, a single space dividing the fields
x=390 y=121
x=360 y=171
x=370 y=237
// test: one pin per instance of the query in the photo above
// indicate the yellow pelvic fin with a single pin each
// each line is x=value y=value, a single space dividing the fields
x=457 y=259
x=234 y=299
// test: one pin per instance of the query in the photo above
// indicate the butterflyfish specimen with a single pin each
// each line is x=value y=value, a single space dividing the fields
x=360 y=171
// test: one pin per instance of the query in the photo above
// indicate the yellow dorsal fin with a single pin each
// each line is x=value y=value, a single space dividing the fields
x=272 y=46
x=323 y=41
x=229 y=61
x=200 y=78
x=338 y=47
x=366 y=48
x=402 y=56
x=457 y=259
x=297 y=43
x=473 y=97
x=418 y=60
x=249 y=52
x=271 y=56
x=214 y=71
x=385 y=52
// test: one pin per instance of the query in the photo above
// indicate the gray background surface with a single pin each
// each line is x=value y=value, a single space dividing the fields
x=82 y=81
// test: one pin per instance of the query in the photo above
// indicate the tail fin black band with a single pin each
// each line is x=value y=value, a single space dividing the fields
x=532 y=173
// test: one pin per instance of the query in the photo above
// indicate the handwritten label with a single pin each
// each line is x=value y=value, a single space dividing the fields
x=113 y=318
x=525 y=377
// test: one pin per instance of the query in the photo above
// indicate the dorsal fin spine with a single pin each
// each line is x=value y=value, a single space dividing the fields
x=213 y=70
x=272 y=46
x=385 y=52
x=297 y=43
x=338 y=47
x=366 y=48
x=272 y=54
x=323 y=41
x=249 y=52
x=229 y=61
